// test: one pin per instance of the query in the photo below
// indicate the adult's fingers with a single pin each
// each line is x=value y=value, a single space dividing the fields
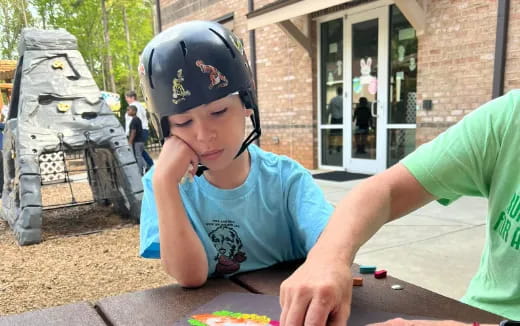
x=319 y=310
x=293 y=313
x=340 y=317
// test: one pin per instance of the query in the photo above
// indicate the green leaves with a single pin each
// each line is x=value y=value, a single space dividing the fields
x=83 y=19
x=14 y=15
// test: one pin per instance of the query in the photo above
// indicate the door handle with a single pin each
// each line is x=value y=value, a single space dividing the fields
x=374 y=113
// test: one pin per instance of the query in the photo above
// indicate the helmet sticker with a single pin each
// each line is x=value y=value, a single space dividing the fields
x=238 y=43
x=179 y=93
x=216 y=78
x=140 y=69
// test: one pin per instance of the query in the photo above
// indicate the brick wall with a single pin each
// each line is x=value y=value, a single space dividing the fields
x=512 y=73
x=455 y=68
x=286 y=92
x=455 y=62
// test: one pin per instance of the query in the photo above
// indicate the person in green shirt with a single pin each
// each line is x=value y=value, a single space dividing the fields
x=479 y=156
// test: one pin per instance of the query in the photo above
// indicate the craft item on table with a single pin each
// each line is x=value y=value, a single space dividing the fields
x=397 y=287
x=367 y=269
x=224 y=317
x=231 y=309
x=357 y=281
x=380 y=274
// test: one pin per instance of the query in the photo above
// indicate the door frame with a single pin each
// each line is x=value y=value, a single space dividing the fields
x=358 y=165
x=344 y=14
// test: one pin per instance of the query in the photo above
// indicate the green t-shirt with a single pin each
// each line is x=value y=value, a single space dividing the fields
x=480 y=156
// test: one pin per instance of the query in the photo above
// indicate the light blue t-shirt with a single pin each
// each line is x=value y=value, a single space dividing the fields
x=276 y=215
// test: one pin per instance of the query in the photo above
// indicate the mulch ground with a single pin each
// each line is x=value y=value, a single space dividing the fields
x=87 y=253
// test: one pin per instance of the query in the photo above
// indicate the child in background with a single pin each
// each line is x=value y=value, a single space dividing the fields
x=136 y=137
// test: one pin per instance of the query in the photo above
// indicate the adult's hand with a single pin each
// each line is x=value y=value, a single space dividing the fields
x=318 y=293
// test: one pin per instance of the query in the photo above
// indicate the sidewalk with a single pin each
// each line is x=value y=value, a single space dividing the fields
x=435 y=247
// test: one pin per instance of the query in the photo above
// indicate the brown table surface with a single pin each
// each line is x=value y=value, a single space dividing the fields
x=377 y=294
x=165 y=305
x=82 y=313
x=161 y=306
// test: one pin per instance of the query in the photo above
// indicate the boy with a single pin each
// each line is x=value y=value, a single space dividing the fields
x=131 y=99
x=136 y=137
x=249 y=209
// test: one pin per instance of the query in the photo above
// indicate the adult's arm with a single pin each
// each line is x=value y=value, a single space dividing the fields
x=314 y=294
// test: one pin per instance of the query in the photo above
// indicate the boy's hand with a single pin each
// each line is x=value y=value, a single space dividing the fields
x=174 y=160
x=314 y=295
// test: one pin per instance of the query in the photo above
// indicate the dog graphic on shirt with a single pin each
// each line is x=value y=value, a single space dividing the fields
x=229 y=249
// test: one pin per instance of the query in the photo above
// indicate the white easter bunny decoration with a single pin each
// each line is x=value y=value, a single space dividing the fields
x=366 y=69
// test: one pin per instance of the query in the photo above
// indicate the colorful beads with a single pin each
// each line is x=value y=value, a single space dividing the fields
x=232 y=318
x=380 y=274
x=367 y=269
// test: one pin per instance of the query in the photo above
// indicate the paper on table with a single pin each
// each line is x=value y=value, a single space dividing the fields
x=267 y=306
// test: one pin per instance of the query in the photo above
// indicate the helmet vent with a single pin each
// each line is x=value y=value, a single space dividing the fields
x=184 y=48
x=224 y=41
x=150 y=69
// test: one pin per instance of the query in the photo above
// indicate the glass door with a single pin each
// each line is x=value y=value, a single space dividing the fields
x=366 y=93
x=331 y=95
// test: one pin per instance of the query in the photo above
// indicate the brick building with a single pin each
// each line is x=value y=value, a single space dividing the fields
x=420 y=65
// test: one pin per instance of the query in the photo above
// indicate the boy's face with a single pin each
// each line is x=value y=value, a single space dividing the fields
x=129 y=99
x=215 y=131
x=132 y=112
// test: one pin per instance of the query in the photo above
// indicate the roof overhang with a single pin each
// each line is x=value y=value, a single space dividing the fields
x=284 y=10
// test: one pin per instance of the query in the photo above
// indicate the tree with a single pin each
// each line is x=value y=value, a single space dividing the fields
x=106 y=38
x=127 y=25
x=129 y=48
x=14 y=16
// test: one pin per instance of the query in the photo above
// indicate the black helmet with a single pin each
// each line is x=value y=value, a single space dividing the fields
x=191 y=64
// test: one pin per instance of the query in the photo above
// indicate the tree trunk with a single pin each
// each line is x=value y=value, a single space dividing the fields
x=155 y=20
x=106 y=37
x=23 y=11
x=128 y=52
x=103 y=75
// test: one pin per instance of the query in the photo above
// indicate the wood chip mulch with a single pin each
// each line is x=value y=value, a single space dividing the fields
x=87 y=253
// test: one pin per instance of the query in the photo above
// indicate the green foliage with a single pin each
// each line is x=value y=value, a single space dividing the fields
x=14 y=15
x=82 y=18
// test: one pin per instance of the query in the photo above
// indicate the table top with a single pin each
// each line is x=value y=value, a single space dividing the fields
x=165 y=305
x=377 y=294
x=161 y=306
x=82 y=313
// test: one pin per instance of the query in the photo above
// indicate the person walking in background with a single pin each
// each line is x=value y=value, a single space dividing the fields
x=136 y=136
x=363 y=119
x=131 y=99
x=336 y=107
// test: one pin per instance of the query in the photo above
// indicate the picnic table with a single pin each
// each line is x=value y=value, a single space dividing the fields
x=165 y=305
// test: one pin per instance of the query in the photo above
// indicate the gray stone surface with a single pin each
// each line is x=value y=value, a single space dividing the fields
x=57 y=107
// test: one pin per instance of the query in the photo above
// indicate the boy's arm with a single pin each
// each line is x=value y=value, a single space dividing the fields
x=314 y=292
x=132 y=136
x=182 y=253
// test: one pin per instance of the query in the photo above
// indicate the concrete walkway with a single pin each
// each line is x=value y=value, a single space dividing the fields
x=435 y=247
